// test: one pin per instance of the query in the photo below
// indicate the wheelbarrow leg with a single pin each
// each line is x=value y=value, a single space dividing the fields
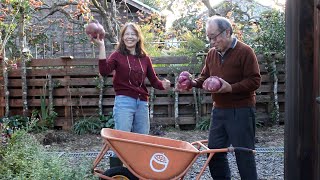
x=100 y=155
x=204 y=166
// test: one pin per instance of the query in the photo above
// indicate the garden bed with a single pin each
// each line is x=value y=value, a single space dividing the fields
x=269 y=165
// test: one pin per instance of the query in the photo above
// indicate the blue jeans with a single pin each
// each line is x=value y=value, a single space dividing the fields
x=234 y=126
x=131 y=114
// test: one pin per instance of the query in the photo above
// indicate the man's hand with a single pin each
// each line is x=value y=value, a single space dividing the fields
x=225 y=88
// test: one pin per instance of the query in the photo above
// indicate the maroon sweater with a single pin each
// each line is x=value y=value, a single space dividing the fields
x=240 y=68
x=130 y=82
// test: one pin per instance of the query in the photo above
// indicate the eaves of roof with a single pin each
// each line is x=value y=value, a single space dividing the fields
x=142 y=6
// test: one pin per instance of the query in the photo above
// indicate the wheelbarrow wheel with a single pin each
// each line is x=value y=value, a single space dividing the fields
x=120 y=173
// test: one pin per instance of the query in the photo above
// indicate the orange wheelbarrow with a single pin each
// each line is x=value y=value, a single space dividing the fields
x=152 y=157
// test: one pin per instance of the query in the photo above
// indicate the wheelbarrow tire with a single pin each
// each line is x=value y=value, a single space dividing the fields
x=120 y=172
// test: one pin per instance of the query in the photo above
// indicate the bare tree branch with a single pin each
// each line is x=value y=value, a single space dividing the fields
x=67 y=14
x=211 y=11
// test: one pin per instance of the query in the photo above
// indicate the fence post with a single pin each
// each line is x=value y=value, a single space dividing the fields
x=68 y=116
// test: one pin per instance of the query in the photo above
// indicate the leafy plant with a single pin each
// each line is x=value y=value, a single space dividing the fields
x=93 y=124
x=152 y=49
x=25 y=158
x=47 y=115
x=271 y=33
x=204 y=123
x=87 y=125
x=190 y=45
x=14 y=122
x=107 y=121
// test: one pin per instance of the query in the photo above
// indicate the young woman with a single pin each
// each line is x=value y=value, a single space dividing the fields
x=132 y=66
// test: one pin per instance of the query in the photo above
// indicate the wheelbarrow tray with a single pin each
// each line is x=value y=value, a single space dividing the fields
x=151 y=157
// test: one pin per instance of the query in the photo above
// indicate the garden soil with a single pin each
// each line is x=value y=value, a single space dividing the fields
x=66 y=141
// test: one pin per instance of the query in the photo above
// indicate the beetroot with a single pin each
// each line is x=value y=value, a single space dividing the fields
x=184 y=81
x=185 y=73
x=185 y=85
x=212 y=84
x=101 y=31
x=94 y=28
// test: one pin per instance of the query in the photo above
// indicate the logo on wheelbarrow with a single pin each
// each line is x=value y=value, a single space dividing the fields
x=159 y=162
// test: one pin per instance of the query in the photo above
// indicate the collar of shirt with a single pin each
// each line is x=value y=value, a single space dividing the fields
x=232 y=46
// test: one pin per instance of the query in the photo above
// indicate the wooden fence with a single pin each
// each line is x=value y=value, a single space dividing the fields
x=75 y=89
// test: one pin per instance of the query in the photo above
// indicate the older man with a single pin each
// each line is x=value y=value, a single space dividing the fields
x=233 y=117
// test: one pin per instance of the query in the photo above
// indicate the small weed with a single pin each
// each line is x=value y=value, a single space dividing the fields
x=204 y=123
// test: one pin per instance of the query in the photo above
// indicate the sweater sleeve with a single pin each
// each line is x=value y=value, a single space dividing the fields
x=151 y=75
x=106 y=66
x=205 y=73
x=251 y=74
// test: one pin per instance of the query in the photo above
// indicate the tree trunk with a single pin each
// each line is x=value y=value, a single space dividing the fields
x=275 y=91
x=196 y=107
x=6 y=80
x=176 y=103
x=101 y=86
x=50 y=91
x=271 y=60
x=23 y=56
x=151 y=104
x=199 y=102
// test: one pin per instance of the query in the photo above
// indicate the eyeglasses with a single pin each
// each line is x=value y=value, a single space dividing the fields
x=214 y=38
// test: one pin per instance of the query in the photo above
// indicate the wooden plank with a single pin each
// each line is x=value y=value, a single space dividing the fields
x=280 y=67
x=85 y=71
x=172 y=70
x=94 y=61
x=78 y=101
x=265 y=78
x=85 y=81
x=268 y=88
x=174 y=60
x=63 y=62
x=63 y=122
x=259 y=99
x=170 y=120
x=39 y=72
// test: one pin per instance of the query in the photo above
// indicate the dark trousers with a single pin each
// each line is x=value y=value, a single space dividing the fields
x=236 y=127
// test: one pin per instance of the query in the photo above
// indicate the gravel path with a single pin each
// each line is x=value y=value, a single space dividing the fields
x=270 y=166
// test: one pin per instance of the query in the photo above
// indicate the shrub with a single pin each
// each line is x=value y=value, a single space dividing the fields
x=25 y=158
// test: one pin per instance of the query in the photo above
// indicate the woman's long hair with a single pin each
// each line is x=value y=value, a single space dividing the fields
x=121 y=47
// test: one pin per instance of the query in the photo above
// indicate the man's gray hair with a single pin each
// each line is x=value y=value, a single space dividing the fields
x=222 y=22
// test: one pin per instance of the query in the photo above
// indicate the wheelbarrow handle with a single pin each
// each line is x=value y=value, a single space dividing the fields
x=243 y=149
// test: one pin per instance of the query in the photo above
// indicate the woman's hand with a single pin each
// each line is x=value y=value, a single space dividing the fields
x=166 y=83
x=97 y=41
x=100 y=43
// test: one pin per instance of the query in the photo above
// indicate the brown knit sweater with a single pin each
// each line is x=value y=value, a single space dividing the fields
x=240 y=68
